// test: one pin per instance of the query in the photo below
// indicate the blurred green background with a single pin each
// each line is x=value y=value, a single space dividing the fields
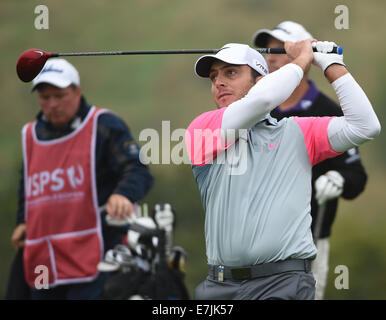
x=144 y=90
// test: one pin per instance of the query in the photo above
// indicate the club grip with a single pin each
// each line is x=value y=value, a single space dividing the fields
x=275 y=51
x=338 y=50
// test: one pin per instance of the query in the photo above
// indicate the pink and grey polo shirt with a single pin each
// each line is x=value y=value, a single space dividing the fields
x=256 y=191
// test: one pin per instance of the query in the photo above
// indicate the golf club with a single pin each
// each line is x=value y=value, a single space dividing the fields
x=319 y=221
x=32 y=61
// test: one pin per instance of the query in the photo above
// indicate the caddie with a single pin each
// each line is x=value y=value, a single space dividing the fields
x=343 y=176
x=76 y=159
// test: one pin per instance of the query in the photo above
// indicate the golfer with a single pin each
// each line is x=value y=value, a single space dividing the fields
x=343 y=176
x=258 y=224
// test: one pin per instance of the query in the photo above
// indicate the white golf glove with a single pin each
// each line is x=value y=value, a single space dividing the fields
x=324 y=59
x=328 y=186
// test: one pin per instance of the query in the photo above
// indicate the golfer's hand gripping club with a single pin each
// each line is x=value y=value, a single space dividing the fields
x=324 y=55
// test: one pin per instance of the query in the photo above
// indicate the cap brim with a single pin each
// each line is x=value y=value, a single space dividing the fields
x=260 y=38
x=203 y=64
x=52 y=80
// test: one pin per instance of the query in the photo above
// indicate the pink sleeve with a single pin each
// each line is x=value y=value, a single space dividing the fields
x=203 y=137
x=316 y=138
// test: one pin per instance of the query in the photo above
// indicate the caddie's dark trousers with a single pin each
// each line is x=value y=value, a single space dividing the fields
x=290 y=285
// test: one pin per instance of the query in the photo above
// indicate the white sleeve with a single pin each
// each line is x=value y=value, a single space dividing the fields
x=359 y=123
x=271 y=91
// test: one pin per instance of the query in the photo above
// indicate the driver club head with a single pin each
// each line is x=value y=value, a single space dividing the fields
x=30 y=63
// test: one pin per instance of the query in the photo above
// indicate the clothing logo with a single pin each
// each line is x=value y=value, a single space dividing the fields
x=305 y=104
x=223 y=49
x=50 y=69
x=282 y=29
x=271 y=146
x=73 y=179
x=42 y=182
x=260 y=66
x=131 y=146
x=38 y=51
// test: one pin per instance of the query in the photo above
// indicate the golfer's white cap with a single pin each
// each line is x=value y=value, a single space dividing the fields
x=57 y=72
x=285 y=31
x=233 y=53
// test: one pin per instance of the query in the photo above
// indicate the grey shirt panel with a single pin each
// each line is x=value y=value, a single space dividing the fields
x=256 y=196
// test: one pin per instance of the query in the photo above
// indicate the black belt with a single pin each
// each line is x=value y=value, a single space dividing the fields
x=220 y=273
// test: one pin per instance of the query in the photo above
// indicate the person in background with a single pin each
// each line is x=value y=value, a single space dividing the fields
x=343 y=176
x=77 y=159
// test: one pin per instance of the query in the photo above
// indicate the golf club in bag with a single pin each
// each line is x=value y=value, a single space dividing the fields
x=148 y=267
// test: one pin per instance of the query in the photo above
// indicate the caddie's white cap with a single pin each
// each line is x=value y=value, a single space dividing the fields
x=233 y=53
x=285 y=31
x=57 y=72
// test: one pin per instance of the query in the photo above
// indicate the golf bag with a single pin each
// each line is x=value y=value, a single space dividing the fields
x=148 y=267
